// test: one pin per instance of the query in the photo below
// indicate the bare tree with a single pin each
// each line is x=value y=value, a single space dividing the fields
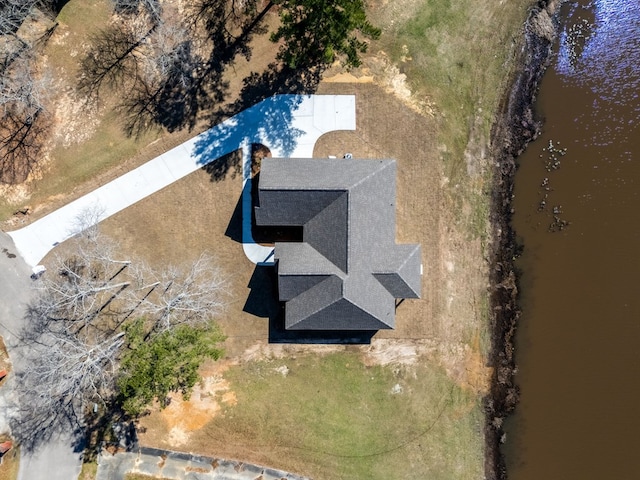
x=167 y=82
x=183 y=296
x=65 y=374
x=152 y=8
x=24 y=122
x=77 y=324
x=170 y=63
x=13 y=14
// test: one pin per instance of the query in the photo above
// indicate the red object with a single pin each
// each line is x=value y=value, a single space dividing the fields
x=3 y=373
x=5 y=447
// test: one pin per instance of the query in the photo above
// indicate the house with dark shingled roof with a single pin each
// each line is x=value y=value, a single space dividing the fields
x=347 y=272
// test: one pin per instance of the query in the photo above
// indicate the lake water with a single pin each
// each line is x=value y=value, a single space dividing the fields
x=577 y=213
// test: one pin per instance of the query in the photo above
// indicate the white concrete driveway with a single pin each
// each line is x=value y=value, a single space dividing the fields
x=289 y=125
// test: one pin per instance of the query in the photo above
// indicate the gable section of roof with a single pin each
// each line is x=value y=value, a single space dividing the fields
x=340 y=315
x=400 y=271
x=281 y=207
x=314 y=300
x=302 y=259
x=328 y=232
x=290 y=286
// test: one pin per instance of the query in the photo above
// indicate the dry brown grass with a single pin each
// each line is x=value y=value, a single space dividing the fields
x=89 y=147
x=140 y=476
x=10 y=465
x=197 y=214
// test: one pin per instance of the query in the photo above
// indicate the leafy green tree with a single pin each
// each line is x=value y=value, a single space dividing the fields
x=316 y=32
x=168 y=362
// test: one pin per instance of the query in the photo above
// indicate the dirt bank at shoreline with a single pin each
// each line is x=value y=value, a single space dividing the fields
x=514 y=128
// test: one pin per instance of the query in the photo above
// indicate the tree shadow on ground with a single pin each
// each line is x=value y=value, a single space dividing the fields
x=228 y=164
x=191 y=77
x=262 y=114
x=269 y=122
x=33 y=428
x=112 y=428
x=176 y=101
x=277 y=79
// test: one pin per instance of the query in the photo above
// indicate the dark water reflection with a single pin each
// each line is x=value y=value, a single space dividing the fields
x=577 y=213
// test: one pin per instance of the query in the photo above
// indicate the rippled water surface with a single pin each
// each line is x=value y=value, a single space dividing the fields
x=578 y=215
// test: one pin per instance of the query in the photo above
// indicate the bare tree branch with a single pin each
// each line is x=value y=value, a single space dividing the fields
x=24 y=123
x=184 y=297
x=78 y=322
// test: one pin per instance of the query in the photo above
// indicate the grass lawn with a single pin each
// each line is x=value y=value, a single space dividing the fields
x=332 y=417
x=457 y=53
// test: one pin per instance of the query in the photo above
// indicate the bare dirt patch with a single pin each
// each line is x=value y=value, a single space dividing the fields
x=182 y=417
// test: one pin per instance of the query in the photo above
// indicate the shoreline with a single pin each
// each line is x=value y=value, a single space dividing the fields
x=515 y=126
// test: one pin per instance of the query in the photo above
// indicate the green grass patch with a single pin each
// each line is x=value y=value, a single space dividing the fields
x=106 y=148
x=78 y=19
x=458 y=53
x=334 y=418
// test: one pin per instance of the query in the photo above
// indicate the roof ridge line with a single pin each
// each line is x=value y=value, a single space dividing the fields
x=383 y=165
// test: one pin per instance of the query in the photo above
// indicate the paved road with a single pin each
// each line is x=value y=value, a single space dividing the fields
x=183 y=466
x=57 y=460
x=289 y=125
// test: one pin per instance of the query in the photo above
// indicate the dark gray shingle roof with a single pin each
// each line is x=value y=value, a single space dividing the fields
x=348 y=271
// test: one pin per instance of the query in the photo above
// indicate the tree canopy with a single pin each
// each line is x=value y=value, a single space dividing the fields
x=166 y=363
x=319 y=31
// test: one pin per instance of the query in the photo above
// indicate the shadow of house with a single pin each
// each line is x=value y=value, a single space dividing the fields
x=347 y=272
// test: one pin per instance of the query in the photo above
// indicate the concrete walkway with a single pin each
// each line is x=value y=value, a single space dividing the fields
x=289 y=125
x=182 y=466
